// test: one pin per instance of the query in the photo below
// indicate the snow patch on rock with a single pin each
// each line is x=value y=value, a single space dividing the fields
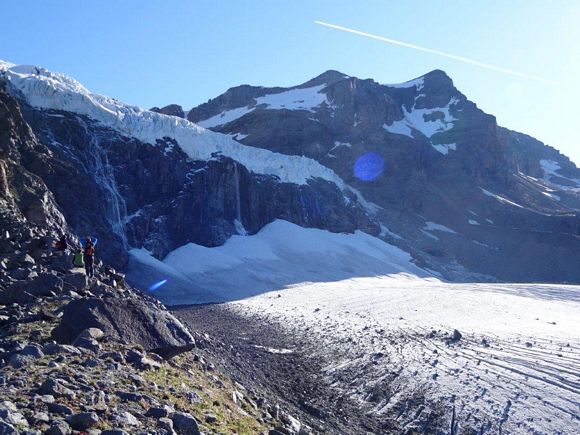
x=444 y=148
x=432 y=226
x=282 y=254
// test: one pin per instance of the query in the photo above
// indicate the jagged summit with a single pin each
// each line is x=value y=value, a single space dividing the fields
x=438 y=78
x=327 y=77
x=171 y=110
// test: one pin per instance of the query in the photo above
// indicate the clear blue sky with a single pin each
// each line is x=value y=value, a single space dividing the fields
x=154 y=52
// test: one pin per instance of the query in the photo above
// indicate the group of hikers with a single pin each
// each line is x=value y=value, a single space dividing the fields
x=84 y=256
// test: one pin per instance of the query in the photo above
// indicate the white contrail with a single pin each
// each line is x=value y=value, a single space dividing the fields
x=437 y=52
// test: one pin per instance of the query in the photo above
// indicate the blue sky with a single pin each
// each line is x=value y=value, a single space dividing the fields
x=152 y=53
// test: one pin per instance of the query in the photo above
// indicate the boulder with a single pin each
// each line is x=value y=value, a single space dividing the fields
x=59 y=427
x=185 y=424
x=44 y=284
x=76 y=281
x=130 y=320
x=54 y=349
x=56 y=388
x=33 y=351
x=64 y=263
x=7 y=429
x=57 y=408
x=83 y=420
x=9 y=413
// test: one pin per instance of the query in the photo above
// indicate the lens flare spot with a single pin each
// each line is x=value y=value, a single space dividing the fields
x=157 y=285
x=369 y=167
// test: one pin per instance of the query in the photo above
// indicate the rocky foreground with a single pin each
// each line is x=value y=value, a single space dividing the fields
x=80 y=355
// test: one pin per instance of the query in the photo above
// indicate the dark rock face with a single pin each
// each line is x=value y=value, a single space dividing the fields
x=171 y=110
x=131 y=194
x=23 y=195
x=131 y=320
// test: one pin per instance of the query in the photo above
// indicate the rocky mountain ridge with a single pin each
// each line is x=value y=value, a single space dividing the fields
x=466 y=197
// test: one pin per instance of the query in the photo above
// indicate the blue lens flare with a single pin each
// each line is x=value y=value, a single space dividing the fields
x=157 y=285
x=369 y=166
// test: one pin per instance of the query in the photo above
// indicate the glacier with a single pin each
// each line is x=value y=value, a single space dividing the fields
x=49 y=90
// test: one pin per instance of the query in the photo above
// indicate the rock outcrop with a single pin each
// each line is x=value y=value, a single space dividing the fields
x=132 y=320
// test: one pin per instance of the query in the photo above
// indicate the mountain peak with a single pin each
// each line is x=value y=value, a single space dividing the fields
x=327 y=77
x=438 y=77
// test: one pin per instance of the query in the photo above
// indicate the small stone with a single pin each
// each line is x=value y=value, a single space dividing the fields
x=114 y=432
x=59 y=428
x=87 y=343
x=165 y=423
x=115 y=356
x=9 y=413
x=125 y=418
x=41 y=417
x=83 y=420
x=57 y=408
x=129 y=397
x=32 y=350
x=46 y=398
x=92 y=333
x=134 y=356
x=7 y=429
x=210 y=418
x=27 y=260
x=456 y=335
x=91 y=363
x=162 y=412
x=18 y=361
x=54 y=349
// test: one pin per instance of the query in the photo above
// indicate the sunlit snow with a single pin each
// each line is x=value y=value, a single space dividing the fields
x=293 y=99
x=48 y=90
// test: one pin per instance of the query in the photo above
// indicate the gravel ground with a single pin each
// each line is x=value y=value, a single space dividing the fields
x=282 y=367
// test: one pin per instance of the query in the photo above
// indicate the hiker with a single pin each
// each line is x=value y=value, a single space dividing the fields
x=62 y=244
x=79 y=259
x=89 y=252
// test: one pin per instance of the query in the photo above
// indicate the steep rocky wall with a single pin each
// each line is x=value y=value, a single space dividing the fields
x=132 y=194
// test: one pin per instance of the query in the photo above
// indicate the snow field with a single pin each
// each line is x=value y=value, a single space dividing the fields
x=282 y=254
x=387 y=342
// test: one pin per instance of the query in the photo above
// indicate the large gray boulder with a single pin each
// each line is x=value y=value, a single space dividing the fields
x=133 y=321
x=27 y=291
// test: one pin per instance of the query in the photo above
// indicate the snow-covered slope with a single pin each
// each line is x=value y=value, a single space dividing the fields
x=388 y=342
x=47 y=90
x=293 y=99
x=280 y=255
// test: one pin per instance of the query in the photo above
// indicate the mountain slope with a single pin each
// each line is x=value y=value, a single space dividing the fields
x=139 y=179
x=510 y=204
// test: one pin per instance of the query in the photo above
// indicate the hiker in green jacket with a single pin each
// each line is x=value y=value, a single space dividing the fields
x=79 y=259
